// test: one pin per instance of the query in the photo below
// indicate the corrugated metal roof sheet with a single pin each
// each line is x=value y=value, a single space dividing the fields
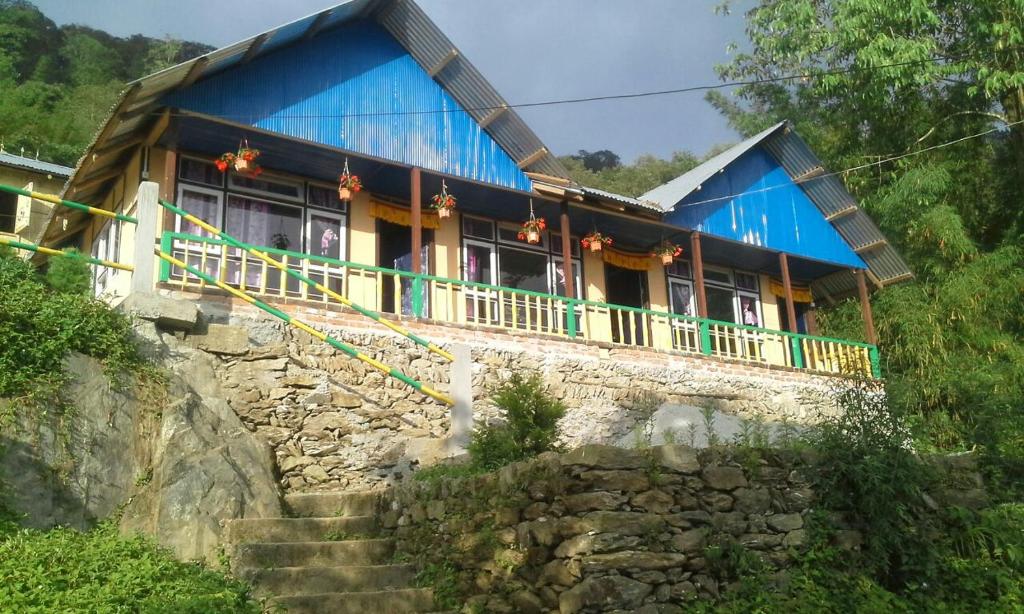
x=619 y=198
x=402 y=18
x=9 y=159
x=668 y=195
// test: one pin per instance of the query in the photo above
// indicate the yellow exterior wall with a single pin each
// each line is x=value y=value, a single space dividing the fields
x=769 y=305
x=661 y=331
x=362 y=249
x=38 y=211
x=597 y=324
x=446 y=247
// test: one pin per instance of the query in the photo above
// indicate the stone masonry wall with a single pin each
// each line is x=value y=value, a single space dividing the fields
x=606 y=529
x=334 y=422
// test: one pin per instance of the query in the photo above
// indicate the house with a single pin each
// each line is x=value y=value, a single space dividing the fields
x=373 y=86
x=22 y=217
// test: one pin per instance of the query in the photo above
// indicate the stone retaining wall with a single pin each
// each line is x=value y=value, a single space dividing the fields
x=334 y=422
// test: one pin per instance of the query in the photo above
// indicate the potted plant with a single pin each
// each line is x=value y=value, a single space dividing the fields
x=443 y=203
x=667 y=252
x=225 y=162
x=348 y=184
x=245 y=160
x=531 y=229
x=595 y=241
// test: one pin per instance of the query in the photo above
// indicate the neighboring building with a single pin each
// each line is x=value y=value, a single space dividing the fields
x=376 y=84
x=21 y=217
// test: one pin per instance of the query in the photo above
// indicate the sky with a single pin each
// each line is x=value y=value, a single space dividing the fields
x=530 y=50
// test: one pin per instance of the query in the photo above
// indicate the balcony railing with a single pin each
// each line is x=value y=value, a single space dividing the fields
x=463 y=302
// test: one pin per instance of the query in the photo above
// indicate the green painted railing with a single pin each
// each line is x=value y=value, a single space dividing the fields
x=532 y=311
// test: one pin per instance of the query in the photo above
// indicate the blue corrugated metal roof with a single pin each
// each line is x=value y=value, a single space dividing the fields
x=668 y=194
x=9 y=159
x=780 y=217
x=356 y=88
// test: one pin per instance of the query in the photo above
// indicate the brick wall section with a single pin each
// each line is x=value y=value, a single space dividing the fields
x=334 y=422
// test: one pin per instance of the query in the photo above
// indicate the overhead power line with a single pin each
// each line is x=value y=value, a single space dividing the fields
x=855 y=168
x=607 y=97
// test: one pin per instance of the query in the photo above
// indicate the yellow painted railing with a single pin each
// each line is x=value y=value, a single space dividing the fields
x=475 y=304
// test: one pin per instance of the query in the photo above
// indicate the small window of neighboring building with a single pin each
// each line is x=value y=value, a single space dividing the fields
x=204 y=172
x=8 y=211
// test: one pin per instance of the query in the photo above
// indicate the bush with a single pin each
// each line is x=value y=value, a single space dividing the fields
x=64 y=570
x=70 y=275
x=40 y=325
x=530 y=427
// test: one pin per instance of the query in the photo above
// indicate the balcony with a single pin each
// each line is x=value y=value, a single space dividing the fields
x=466 y=303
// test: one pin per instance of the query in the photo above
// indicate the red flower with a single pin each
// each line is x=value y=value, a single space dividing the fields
x=221 y=165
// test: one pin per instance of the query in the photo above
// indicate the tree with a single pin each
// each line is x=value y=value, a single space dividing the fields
x=597 y=161
x=632 y=179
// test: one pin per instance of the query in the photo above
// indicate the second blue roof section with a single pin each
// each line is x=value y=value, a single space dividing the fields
x=754 y=200
x=356 y=88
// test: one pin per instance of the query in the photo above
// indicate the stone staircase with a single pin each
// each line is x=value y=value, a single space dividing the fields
x=327 y=559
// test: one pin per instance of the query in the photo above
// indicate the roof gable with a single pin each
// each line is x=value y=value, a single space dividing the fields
x=755 y=201
x=355 y=87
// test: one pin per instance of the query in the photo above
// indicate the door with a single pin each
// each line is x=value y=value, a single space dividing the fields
x=626 y=287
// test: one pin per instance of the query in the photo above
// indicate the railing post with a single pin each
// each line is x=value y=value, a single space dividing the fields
x=705 y=337
x=147 y=213
x=417 y=296
x=798 y=353
x=876 y=362
x=570 y=318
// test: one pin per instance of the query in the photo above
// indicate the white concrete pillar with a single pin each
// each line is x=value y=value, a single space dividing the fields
x=148 y=214
x=462 y=393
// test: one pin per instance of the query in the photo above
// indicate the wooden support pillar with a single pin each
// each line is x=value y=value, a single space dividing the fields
x=416 y=205
x=812 y=319
x=865 y=307
x=698 y=275
x=787 y=287
x=570 y=279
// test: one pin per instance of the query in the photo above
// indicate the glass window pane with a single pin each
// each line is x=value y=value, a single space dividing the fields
x=474 y=227
x=264 y=224
x=681 y=298
x=716 y=275
x=680 y=268
x=556 y=245
x=746 y=281
x=720 y=304
x=560 y=278
x=325 y=197
x=275 y=187
x=326 y=236
x=203 y=206
x=748 y=311
x=523 y=270
x=477 y=267
x=201 y=171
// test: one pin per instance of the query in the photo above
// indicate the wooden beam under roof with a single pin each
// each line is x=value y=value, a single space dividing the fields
x=530 y=159
x=194 y=72
x=897 y=279
x=121 y=144
x=158 y=128
x=254 y=48
x=447 y=59
x=817 y=171
x=98 y=178
x=493 y=115
x=78 y=227
x=870 y=246
x=317 y=24
x=842 y=213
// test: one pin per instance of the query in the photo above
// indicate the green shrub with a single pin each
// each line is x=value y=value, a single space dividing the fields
x=70 y=275
x=40 y=325
x=530 y=427
x=64 y=570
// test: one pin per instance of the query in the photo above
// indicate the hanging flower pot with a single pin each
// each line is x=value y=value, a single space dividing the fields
x=348 y=184
x=225 y=162
x=531 y=229
x=443 y=203
x=595 y=241
x=245 y=161
x=667 y=252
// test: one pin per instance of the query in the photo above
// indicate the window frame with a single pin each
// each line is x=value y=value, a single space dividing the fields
x=299 y=184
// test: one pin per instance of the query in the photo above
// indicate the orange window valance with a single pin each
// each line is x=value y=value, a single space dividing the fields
x=801 y=294
x=402 y=216
x=635 y=262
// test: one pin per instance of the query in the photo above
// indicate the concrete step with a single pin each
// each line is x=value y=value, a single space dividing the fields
x=389 y=602
x=253 y=530
x=324 y=504
x=286 y=581
x=312 y=554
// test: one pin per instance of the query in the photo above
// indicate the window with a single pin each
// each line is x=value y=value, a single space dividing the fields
x=523 y=270
x=264 y=185
x=679 y=268
x=556 y=245
x=203 y=203
x=509 y=233
x=720 y=303
x=325 y=197
x=325 y=234
x=746 y=281
x=717 y=275
x=681 y=297
x=263 y=223
x=475 y=227
x=749 y=309
x=200 y=171
x=8 y=211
